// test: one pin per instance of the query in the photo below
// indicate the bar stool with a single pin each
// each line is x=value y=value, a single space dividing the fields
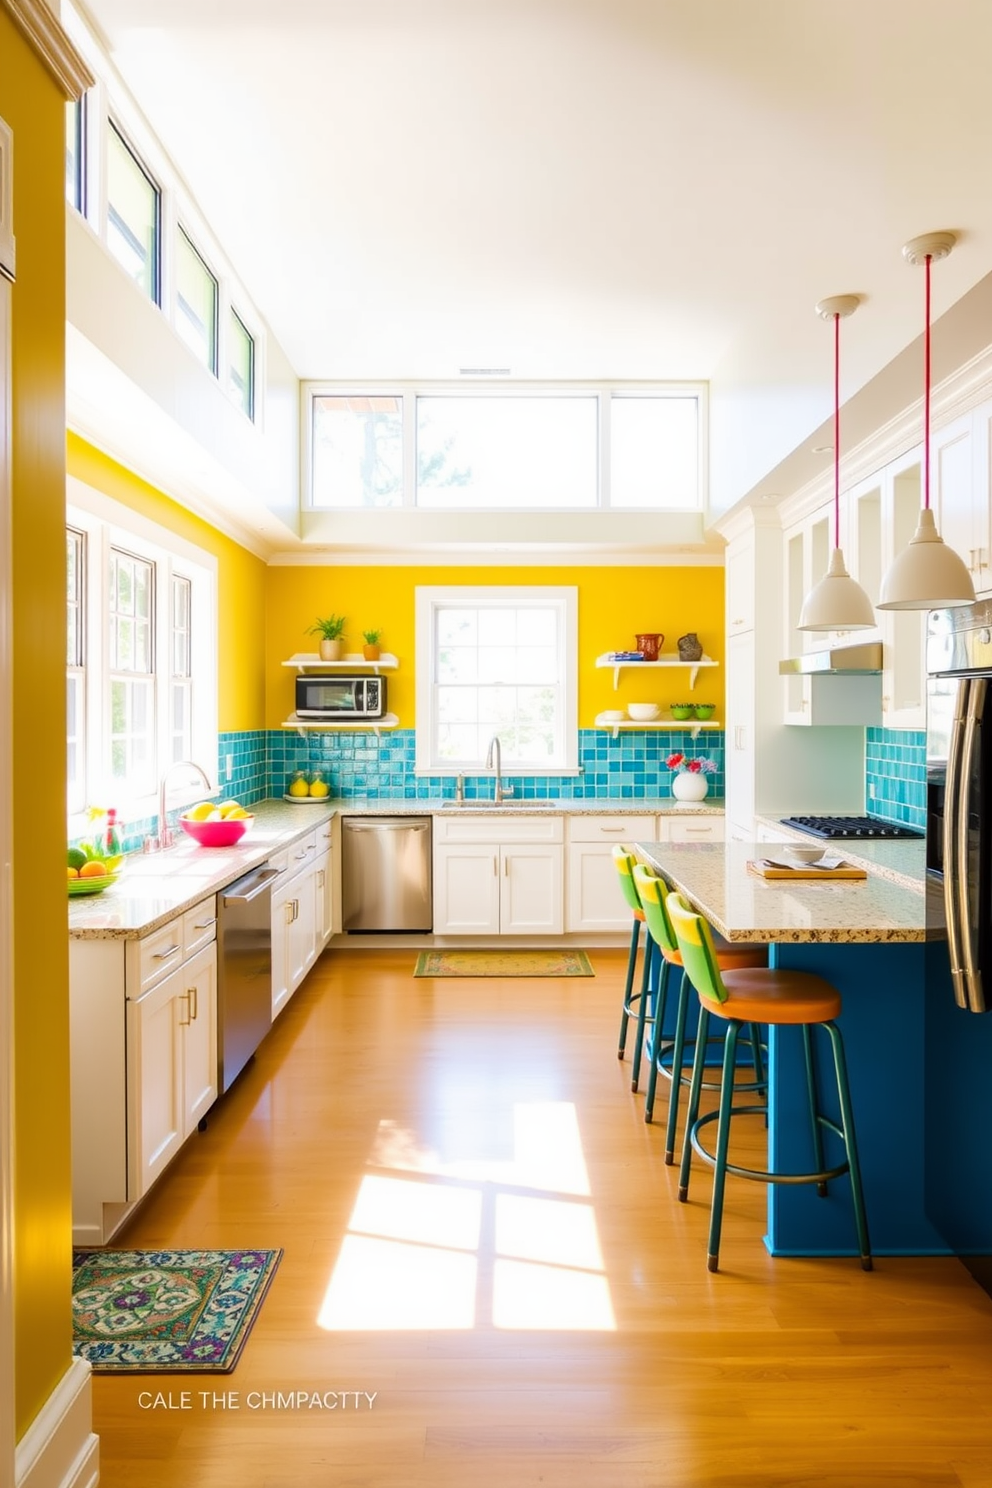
x=652 y=889
x=635 y=1004
x=799 y=998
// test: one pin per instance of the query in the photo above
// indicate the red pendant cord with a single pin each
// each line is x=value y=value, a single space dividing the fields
x=836 y=431
x=926 y=397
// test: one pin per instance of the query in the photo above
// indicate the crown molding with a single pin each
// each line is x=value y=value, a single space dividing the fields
x=44 y=32
x=507 y=556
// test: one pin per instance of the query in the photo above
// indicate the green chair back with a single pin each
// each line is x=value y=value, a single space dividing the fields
x=624 y=860
x=695 y=941
x=652 y=891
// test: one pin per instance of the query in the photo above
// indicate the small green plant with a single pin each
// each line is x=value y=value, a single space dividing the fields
x=372 y=637
x=329 y=629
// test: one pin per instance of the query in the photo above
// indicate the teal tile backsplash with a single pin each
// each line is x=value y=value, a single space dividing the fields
x=896 y=775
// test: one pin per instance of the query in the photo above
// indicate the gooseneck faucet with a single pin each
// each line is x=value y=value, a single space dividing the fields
x=165 y=836
x=494 y=761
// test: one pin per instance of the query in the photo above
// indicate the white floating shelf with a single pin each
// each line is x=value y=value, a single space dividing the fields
x=305 y=661
x=305 y=726
x=689 y=725
x=606 y=660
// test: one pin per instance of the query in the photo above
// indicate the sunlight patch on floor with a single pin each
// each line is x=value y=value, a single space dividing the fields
x=420 y=1248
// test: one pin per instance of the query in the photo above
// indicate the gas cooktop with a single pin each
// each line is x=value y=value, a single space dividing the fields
x=848 y=826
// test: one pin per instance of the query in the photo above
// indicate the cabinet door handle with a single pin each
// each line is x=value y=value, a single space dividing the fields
x=296 y=909
x=164 y=955
x=698 y=831
x=301 y=854
x=205 y=924
x=320 y=878
x=612 y=829
x=184 y=1022
x=194 y=1002
x=496 y=866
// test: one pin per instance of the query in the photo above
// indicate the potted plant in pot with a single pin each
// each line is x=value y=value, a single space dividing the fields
x=371 y=650
x=331 y=633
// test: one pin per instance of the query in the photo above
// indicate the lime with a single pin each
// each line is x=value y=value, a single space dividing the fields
x=75 y=858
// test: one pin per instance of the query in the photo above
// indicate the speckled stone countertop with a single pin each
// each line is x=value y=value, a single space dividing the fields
x=153 y=889
x=903 y=860
x=554 y=805
x=714 y=877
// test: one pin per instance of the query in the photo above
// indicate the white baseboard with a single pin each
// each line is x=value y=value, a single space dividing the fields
x=59 y=1448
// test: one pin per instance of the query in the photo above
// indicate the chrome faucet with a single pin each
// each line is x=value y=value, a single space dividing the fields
x=165 y=836
x=494 y=761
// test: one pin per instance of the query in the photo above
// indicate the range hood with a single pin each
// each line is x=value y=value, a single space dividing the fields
x=837 y=661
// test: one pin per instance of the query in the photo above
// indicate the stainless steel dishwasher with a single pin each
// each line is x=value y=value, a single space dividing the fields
x=244 y=970
x=386 y=873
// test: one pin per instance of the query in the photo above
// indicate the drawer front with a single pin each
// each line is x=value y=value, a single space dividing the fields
x=499 y=829
x=301 y=853
x=611 y=828
x=696 y=829
x=159 y=953
x=199 y=925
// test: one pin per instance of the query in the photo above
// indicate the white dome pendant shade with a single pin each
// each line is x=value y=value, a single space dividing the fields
x=928 y=575
x=837 y=602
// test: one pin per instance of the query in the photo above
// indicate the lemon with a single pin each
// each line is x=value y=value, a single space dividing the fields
x=229 y=809
x=319 y=788
x=299 y=788
x=238 y=814
x=200 y=812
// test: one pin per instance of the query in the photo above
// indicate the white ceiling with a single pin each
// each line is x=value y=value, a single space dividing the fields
x=598 y=189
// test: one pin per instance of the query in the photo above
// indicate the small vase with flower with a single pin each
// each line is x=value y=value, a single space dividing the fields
x=691 y=779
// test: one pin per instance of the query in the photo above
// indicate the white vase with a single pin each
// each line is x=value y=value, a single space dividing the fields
x=687 y=785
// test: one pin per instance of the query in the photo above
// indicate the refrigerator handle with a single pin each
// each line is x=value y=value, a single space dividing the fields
x=974 y=993
x=952 y=834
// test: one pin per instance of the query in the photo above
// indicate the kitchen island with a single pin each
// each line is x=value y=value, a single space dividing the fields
x=868 y=939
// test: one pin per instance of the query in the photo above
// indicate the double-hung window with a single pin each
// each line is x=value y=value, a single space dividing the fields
x=497 y=660
x=141 y=654
x=196 y=302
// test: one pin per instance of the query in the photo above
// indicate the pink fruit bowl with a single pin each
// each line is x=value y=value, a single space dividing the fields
x=217 y=833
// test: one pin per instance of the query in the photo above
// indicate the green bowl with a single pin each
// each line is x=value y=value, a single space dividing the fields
x=682 y=710
x=79 y=886
x=704 y=710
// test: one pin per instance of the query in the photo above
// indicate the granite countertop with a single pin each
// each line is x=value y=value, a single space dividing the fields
x=517 y=806
x=714 y=877
x=903 y=860
x=153 y=888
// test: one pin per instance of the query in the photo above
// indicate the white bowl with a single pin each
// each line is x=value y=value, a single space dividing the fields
x=614 y=715
x=801 y=854
x=643 y=712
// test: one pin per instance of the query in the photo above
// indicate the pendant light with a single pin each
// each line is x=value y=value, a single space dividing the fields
x=837 y=602
x=928 y=575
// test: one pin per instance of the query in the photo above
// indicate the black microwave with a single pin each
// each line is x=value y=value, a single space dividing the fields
x=340 y=697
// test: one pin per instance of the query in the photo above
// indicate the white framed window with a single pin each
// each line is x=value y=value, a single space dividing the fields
x=522 y=448
x=196 y=301
x=497 y=660
x=134 y=215
x=241 y=365
x=141 y=653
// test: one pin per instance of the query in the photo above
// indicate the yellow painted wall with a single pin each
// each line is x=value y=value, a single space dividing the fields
x=32 y=105
x=240 y=582
x=614 y=604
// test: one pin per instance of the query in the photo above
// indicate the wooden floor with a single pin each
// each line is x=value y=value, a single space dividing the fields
x=480 y=1232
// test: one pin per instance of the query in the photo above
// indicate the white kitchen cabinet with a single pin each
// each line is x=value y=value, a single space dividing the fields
x=143 y=1060
x=807 y=553
x=301 y=902
x=323 y=885
x=172 y=1076
x=703 y=828
x=739 y=751
x=739 y=579
x=498 y=875
x=593 y=898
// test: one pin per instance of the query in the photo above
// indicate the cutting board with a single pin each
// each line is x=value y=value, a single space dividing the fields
x=765 y=869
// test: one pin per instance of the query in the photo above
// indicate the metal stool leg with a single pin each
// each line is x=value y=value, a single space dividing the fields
x=722 y=1142
x=814 y=1109
x=695 y=1087
x=655 y=1047
x=678 y=1059
x=635 y=933
x=646 y=996
x=850 y=1144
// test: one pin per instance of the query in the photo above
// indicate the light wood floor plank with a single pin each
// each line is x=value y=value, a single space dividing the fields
x=773 y=1374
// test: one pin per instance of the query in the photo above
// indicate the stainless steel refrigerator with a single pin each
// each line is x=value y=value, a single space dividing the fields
x=958 y=1029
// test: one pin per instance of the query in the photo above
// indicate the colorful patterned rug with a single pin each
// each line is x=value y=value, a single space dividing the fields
x=503 y=964
x=167 y=1311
